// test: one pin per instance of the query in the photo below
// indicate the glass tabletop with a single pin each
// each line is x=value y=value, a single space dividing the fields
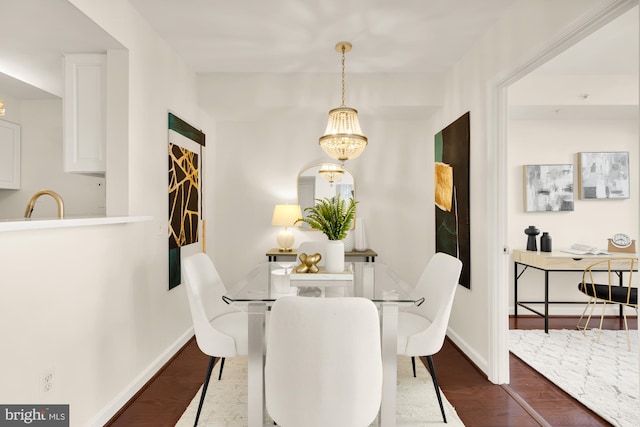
x=271 y=280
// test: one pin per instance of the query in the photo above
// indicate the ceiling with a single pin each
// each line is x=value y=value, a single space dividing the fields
x=611 y=50
x=390 y=36
x=300 y=36
x=41 y=32
x=394 y=37
x=597 y=78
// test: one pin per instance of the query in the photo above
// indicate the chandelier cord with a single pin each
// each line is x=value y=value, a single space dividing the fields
x=343 y=49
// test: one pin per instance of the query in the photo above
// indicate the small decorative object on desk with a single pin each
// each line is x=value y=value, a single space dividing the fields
x=532 y=232
x=545 y=242
x=620 y=242
x=308 y=263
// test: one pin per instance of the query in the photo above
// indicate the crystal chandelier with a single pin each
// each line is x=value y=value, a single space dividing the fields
x=343 y=138
x=332 y=173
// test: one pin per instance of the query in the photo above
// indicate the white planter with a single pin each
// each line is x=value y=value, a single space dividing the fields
x=334 y=256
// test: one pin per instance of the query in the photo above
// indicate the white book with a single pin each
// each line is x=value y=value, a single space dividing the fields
x=580 y=249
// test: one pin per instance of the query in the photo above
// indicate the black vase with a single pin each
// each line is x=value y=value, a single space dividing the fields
x=532 y=232
x=545 y=242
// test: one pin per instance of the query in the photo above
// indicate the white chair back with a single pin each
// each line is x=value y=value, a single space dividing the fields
x=437 y=286
x=205 y=290
x=323 y=364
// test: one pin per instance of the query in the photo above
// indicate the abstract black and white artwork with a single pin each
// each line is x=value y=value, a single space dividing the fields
x=604 y=175
x=548 y=188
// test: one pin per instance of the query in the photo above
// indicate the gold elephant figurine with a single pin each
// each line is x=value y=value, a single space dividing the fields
x=308 y=263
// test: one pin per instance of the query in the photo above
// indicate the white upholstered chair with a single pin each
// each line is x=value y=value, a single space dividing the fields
x=323 y=365
x=220 y=329
x=422 y=329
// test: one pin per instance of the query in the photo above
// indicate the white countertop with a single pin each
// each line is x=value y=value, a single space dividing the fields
x=39 y=224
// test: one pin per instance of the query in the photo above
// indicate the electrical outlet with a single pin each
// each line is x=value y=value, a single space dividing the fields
x=101 y=195
x=46 y=381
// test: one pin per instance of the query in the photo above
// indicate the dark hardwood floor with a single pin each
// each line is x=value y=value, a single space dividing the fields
x=529 y=400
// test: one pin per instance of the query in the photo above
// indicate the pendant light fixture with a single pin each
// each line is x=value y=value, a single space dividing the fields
x=343 y=138
x=331 y=172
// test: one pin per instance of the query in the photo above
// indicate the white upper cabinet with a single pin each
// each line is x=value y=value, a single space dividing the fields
x=85 y=113
x=9 y=155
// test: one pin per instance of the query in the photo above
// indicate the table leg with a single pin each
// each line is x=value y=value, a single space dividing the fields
x=389 y=337
x=255 y=368
x=546 y=301
x=620 y=283
x=366 y=283
x=515 y=289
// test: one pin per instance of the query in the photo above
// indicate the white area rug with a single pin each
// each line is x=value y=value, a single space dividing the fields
x=226 y=401
x=603 y=377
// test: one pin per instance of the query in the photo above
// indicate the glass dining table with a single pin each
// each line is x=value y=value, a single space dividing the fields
x=271 y=280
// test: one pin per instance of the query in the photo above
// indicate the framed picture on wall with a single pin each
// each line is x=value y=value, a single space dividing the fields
x=548 y=188
x=604 y=175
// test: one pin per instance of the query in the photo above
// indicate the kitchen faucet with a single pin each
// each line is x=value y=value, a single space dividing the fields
x=32 y=203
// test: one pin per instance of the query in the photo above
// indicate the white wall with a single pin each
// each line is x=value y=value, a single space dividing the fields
x=592 y=221
x=525 y=31
x=92 y=302
x=41 y=132
x=261 y=149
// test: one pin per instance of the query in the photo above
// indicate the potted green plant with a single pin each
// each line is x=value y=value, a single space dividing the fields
x=333 y=217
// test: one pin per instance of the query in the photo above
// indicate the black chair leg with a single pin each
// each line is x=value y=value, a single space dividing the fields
x=432 y=369
x=212 y=361
x=221 y=368
x=413 y=364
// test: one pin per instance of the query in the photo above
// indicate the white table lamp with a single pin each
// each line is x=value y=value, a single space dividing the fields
x=286 y=216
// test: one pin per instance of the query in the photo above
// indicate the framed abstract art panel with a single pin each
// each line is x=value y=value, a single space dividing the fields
x=186 y=147
x=452 y=190
x=604 y=175
x=548 y=188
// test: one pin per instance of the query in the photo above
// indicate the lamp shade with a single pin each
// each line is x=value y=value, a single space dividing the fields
x=286 y=215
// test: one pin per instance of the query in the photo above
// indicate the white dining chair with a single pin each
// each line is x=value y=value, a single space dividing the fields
x=220 y=329
x=323 y=365
x=422 y=329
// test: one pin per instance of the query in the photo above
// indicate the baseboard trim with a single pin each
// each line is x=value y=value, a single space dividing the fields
x=138 y=385
x=480 y=362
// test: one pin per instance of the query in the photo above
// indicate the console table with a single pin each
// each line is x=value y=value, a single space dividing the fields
x=276 y=254
x=554 y=262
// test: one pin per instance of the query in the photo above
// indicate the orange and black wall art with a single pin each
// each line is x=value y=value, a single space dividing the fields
x=452 y=194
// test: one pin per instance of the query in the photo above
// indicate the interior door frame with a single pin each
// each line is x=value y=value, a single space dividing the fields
x=498 y=298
